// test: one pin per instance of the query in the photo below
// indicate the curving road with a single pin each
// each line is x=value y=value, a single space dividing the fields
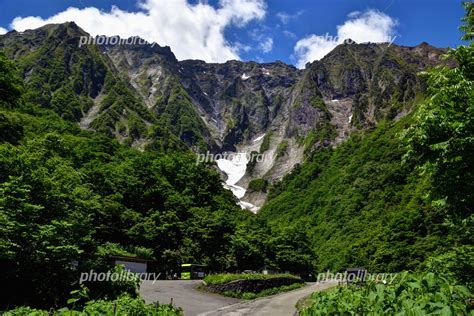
x=195 y=302
x=277 y=305
x=184 y=295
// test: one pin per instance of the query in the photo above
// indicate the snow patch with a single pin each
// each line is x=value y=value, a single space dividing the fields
x=249 y=206
x=235 y=170
x=258 y=138
x=244 y=76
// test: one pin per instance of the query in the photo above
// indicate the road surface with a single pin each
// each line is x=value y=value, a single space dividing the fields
x=277 y=305
x=185 y=295
x=200 y=303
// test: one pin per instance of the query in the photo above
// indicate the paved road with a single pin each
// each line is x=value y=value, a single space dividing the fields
x=184 y=295
x=277 y=305
x=195 y=302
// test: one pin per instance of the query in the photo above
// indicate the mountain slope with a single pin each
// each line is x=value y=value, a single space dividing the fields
x=82 y=83
x=145 y=97
x=360 y=205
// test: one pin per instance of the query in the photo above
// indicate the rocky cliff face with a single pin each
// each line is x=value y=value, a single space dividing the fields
x=144 y=96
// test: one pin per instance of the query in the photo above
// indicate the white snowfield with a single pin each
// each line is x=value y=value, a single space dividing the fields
x=245 y=76
x=235 y=169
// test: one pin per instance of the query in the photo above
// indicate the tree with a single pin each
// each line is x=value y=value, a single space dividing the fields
x=442 y=137
x=443 y=141
x=10 y=83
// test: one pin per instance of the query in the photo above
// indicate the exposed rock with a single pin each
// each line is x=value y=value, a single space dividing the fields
x=150 y=99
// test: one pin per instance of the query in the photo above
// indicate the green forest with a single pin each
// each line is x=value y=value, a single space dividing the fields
x=69 y=195
x=397 y=197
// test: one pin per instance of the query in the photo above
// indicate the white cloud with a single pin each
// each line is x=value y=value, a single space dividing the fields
x=241 y=47
x=353 y=14
x=193 y=31
x=289 y=34
x=285 y=18
x=370 y=26
x=3 y=31
x=266 y=46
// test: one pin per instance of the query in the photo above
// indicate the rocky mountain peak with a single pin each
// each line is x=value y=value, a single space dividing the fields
x=144 y=96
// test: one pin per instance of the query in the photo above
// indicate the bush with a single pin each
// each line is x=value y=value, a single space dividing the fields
x=413 y=294
x=282 y=148
x=258 y=185
x=124 y=305
x=251 y=285
x=225 y=278
x=456 y=265
x=267 y=292
x=266 y=142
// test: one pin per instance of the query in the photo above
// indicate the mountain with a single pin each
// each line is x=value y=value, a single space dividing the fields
x=143 y=96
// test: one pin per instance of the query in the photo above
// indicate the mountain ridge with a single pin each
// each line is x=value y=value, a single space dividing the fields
x=143 y=96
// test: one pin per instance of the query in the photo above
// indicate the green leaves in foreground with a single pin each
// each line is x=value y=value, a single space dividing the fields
x=125 y=305
x=412 y=295
x=442 y=136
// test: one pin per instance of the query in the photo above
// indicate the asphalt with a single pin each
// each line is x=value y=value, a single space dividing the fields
x=195 y=302
x=184 y=295
x=277 y=305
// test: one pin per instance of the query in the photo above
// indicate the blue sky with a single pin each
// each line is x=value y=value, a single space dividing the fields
x=261 y=30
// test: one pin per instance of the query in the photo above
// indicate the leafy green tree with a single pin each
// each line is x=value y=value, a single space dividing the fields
x=11 y=129
x=442 y=137
x=10 y=84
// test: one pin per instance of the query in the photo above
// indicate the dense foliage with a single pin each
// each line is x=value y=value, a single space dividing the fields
x=228 y=277
x=266 y=292
x=440 y=141
x=71 y=198
x=359 y=205
x=410 y=295
x=390 y=198
x=81 y=84
x=124 y=305
x=271 y=289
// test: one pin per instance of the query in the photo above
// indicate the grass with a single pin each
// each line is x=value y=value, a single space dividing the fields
x=225 y=278
x=217 y=279
x=267 y=292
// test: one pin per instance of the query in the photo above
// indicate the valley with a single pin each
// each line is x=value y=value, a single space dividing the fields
x=223 y=107
x=240 y=170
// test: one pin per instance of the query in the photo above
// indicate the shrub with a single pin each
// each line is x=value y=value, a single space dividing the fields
x=225 y=278
x=265 y=142
x=258 y=185
x=413 y=294
x=124 y=305
x=282 y=148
